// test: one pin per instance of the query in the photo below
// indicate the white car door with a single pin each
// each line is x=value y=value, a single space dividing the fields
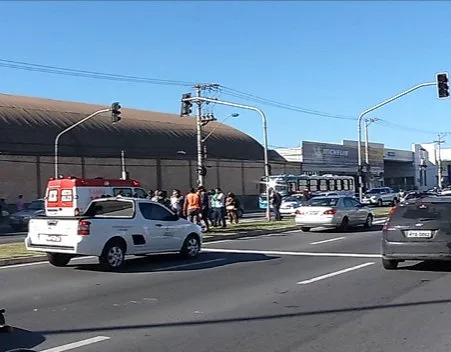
x=170 y=225
x=153 y=228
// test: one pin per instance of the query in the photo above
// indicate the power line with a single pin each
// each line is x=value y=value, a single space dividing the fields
x=26 y=66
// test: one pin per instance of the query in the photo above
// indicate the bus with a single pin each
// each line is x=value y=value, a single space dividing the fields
x=317 y=185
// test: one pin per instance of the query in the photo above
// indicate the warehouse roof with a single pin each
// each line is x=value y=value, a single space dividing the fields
x=29 y=127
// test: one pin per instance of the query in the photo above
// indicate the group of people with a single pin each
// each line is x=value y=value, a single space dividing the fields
x=207 y=208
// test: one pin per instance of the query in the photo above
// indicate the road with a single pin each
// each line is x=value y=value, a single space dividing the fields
x=292 y=292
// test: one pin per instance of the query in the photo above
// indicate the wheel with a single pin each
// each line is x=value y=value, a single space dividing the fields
x=191 y=247
x=305 y=229
x=344 y=224
x=379 y=203
x=369 y=221
x=113 y=255
x=58 y=259
x=389 y=264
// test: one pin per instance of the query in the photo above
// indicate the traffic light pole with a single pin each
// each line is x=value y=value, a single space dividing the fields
x=359 y=126
x=70 y=128
x=200 y=156
x=265 y=137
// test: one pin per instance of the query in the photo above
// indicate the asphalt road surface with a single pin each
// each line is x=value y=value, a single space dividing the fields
x=292 y=292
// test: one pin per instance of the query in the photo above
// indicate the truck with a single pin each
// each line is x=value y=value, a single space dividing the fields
x=112 y=228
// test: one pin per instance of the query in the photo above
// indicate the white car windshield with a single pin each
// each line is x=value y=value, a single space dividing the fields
x=323 y=202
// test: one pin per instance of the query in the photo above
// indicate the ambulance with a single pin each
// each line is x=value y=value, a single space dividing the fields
x=70 y=196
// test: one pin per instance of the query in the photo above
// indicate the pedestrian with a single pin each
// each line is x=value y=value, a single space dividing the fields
x=204 y=206
x=276 y=200
x=177 y=202
x=218 y=205
x=191 y=207
x=232 y=207
x=20 y=204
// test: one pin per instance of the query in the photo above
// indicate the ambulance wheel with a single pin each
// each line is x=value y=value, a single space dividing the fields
x=58 y=259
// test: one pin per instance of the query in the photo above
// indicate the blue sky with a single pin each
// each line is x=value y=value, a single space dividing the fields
x=335 y=57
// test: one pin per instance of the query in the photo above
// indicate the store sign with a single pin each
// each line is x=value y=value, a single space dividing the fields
x=325 y=154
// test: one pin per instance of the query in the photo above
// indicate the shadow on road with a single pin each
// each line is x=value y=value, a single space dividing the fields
x=374 y=228
x=191 y=323
x=430 y=265
x=173 y=262
x=20 y=339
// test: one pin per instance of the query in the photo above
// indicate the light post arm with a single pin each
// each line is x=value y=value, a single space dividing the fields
x=359 y=126
x=70 y=128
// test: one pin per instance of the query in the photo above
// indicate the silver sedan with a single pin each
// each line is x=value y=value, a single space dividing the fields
x=339 y=212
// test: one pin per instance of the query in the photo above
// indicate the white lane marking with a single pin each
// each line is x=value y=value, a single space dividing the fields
x=71 y=346
x=329 y=240
x=190 y=264
x=335 y=273
x=305 y=254
x=379 y=221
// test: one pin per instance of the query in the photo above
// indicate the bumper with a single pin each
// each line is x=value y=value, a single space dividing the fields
x=288 y=211
x=416 y=250
x=369 y=201
x=326 y=222
x=79 y=248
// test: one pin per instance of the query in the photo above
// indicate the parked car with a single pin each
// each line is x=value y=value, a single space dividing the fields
x=19 y=220
x=290 y=204
x=418 y=229
x=112 y=228
x=339 y=212
x=380 y=196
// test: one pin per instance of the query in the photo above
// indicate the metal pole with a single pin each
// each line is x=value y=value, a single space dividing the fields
x=359 y=125
x=123 y=169
x=367 y=160
x=439 y=171
x=200 y=164
x=265 y=137
x=70 y=128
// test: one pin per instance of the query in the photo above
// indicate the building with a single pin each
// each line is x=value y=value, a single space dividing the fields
x=399 y=169
x=160 y=149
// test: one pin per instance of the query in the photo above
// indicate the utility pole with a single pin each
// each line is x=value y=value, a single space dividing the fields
x=200 y=122
x=438 y=142
x=368 y=122
x=200 y=158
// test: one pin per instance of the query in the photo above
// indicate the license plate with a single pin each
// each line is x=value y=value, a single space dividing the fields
x=312 y=213
x=419 y=234
x=53 y=238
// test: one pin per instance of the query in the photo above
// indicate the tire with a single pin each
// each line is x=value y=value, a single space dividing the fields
x=344 y=226
x=191 y=247
x=380 y=203
x=58 y=259
x=389 y=264
x=305 y=229
x=369 y=221
x=113 y=256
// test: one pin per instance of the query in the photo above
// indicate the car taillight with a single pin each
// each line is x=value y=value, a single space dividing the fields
x=330 y=212
x=76 y=212
x=298 y=212
x=83 y=228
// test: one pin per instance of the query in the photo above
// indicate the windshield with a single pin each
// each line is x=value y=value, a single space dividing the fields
x=36 y=205
x=419 y=211
x=323 y=202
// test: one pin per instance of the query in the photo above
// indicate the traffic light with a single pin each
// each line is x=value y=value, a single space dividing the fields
x=186 y=105
x=115 y=113
x=442 y=85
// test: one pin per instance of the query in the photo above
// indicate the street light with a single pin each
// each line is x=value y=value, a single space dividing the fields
x=115 y=108
x=235 y=115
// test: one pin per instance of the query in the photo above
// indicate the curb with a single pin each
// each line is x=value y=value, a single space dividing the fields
x=22 y=260
x=254 y=233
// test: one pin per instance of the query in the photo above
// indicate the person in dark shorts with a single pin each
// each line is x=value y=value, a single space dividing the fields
x=204 y=206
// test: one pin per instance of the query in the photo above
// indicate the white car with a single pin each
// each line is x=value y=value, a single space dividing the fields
x=290 y=204
x=339 y=212
x=380 y=196
x=112 y=228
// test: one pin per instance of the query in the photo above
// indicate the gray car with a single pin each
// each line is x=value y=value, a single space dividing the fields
x=19 y=220
x=417 y=229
